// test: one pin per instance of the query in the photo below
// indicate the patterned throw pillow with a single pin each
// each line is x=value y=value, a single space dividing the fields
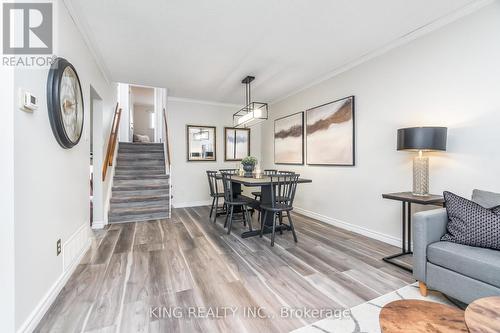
x=471 y=224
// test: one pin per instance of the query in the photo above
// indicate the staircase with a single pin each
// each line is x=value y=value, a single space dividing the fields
x=140 y=185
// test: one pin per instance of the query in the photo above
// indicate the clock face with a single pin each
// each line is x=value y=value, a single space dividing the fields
x=65 y=103
x=70 y=102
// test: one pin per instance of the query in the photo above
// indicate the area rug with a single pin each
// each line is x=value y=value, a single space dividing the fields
x=364 y=317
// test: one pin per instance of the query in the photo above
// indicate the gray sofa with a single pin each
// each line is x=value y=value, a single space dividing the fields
x=463 y=272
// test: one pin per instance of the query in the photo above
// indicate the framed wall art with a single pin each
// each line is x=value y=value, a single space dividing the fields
x=289 y=139
x=330 y=133
x=236 y=143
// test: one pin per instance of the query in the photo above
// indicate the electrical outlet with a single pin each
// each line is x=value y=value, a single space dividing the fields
x=58 y=246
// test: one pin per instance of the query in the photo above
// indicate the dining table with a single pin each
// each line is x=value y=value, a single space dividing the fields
x=265 y=188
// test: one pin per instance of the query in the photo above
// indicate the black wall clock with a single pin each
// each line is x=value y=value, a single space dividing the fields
x=65 y=103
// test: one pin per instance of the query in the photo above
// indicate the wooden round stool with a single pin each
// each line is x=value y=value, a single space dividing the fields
x=414 y=316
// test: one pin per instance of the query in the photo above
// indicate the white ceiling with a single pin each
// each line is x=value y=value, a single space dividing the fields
x=202 y=49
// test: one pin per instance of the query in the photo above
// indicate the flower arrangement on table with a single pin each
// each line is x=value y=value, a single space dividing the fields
x=249 y=164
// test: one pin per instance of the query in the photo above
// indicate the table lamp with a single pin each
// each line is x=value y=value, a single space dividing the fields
x=421 y=139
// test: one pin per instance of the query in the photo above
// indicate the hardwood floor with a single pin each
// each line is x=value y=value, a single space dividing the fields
x=135 y=272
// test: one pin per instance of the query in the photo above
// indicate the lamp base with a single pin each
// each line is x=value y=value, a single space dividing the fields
x=421 y=175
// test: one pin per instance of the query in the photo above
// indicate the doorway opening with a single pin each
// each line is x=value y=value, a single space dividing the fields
x=142 y=114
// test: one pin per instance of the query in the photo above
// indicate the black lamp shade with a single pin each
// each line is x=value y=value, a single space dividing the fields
x=422 y=138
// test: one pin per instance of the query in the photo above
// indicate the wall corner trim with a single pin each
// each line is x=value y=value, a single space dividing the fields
x=351 y=227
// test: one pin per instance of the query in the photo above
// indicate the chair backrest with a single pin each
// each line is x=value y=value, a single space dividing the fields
x=269 y=172
x=212 y=182
x=228 y=186
x=283 y=188
x=286 y=172
x=229 y=171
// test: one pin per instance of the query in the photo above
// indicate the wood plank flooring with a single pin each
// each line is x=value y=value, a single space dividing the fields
x=134 y=271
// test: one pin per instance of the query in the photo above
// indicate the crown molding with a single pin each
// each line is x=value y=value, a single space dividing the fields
x=404 y=39
x=84 y=29
x=199 y=101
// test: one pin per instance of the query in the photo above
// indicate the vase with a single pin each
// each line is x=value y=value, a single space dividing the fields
x=248 y=169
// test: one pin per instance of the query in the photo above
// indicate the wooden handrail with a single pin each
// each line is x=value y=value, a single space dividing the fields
x=167 y=143
x=113 y=135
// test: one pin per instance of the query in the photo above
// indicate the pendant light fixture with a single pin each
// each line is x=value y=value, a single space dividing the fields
x=253 y=112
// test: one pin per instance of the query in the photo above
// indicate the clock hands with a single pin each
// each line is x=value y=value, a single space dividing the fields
x=67 y=104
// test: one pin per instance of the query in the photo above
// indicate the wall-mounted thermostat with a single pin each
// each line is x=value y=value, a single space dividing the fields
x=28 y=101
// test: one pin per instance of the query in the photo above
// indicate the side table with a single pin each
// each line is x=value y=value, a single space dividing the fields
x=483 y=315
x=415 y=316
x=407 y=198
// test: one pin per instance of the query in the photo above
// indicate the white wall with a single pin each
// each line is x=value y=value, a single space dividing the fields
x=124 y=101
x=450 y=77
x=189 y=179
x=51 y=197
x=7 y=280
x=160 y=103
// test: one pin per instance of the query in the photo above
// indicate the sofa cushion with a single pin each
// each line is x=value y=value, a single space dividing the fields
x=485 y=198
x=474 y=262
x=470 y=223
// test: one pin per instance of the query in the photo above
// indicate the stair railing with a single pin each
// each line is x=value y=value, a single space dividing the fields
x=113 y=136
x=168 y=162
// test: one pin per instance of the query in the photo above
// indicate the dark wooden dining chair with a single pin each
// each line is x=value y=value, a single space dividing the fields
x=283 y=187
x=267 y=172
x=229 y=171
x=234 y=200
x=283 y=172
x=215 y=193
x=257 y=195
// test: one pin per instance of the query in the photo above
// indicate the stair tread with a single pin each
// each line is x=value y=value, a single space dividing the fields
x=139 y=193
x=134 y=157
x=121 y=143
x=144 y=203
x=132 y=170
x=139 y=188
x=138 y=210
x=139 y=176
x=141 y=149
x=158 y=162
x=144 y=175
x=122 y=159
x=131 y=184
x=141 y=152
x=142 y=169
x=138 y=218
x=140 y=157
x=139 y=198
x=141 y=182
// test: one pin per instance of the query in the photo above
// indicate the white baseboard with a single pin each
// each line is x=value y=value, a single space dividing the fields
x=192 y=203
x=73 y=250
x=74 y=246
x=351 y=227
